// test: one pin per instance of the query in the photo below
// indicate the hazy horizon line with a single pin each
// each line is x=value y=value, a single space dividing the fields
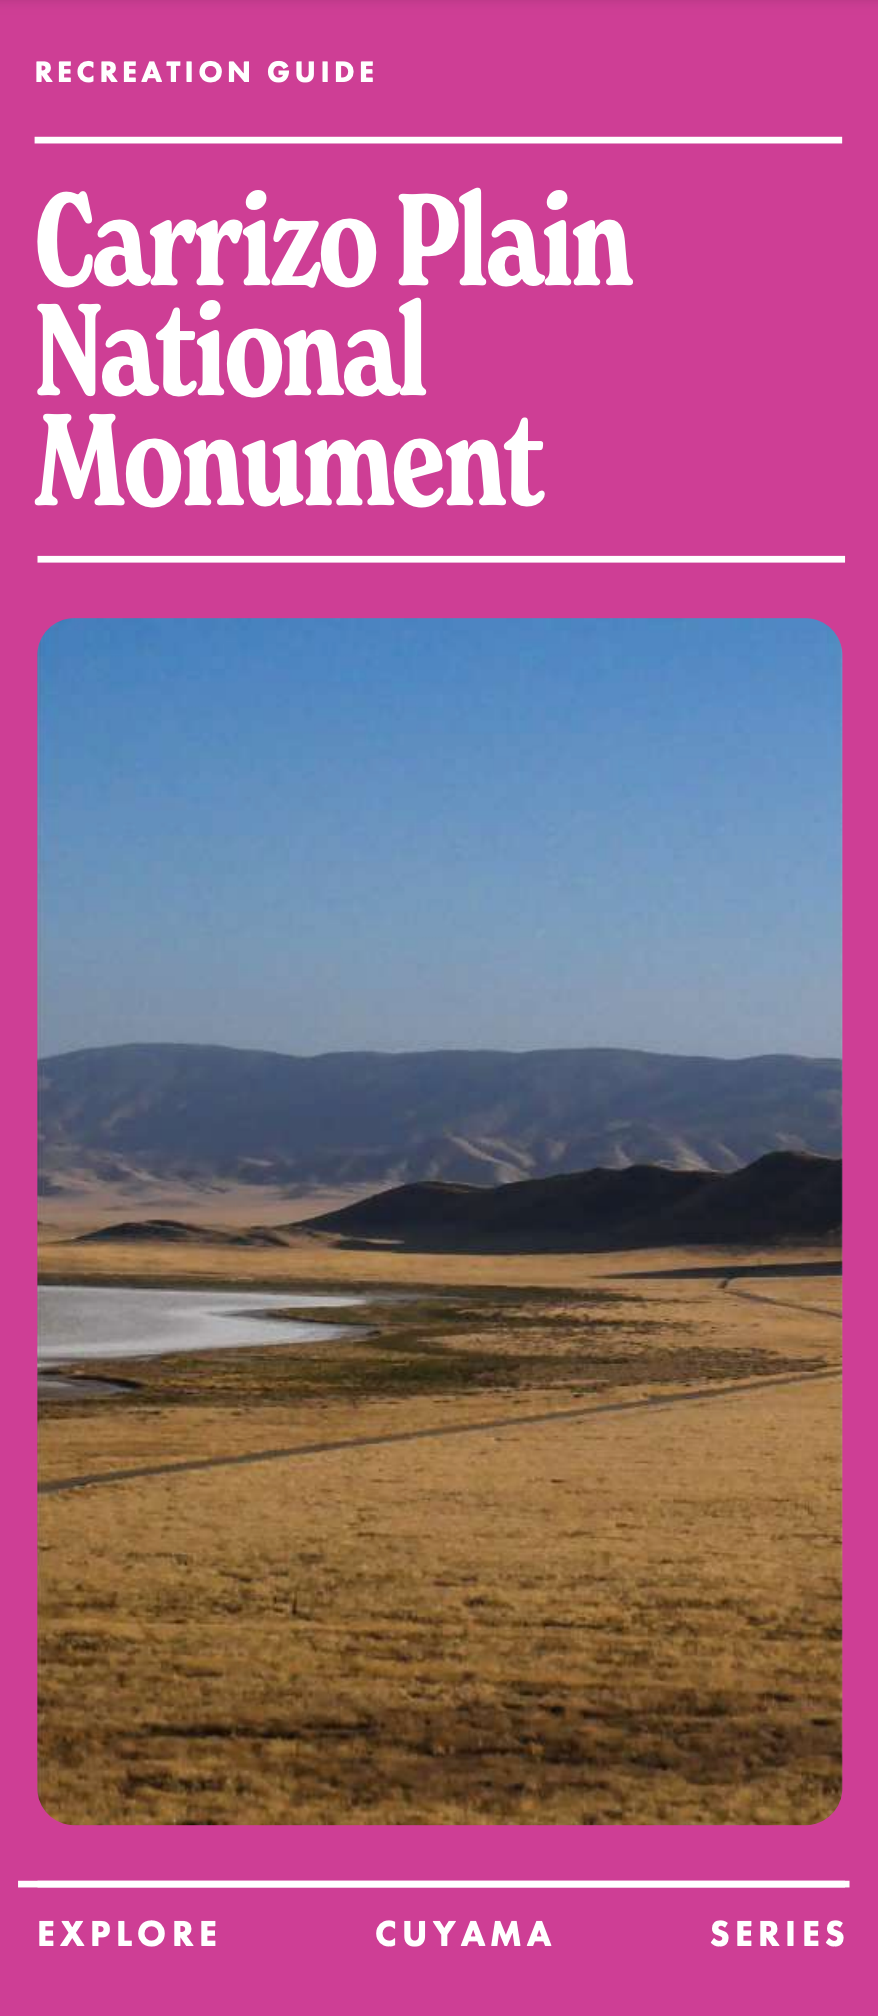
x=437 y=1050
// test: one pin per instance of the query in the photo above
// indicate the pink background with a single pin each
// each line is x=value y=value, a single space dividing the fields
x=721 y=405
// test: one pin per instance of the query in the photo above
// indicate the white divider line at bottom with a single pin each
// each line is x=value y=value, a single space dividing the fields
x=440 y=559
x=436 y=1883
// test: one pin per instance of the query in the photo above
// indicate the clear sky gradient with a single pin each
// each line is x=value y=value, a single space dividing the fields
x=314 y=835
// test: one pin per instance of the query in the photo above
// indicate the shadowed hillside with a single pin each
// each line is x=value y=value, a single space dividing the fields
x=207 y=1115
x=781 y=1197
x=172 y=1232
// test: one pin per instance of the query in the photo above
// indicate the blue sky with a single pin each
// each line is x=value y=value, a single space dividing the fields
x=314 y=835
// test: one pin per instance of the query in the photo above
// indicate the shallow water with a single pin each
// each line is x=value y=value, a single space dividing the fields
x=83 y=1323
x=54 y=1386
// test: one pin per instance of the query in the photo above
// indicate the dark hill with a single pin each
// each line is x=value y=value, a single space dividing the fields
x=173 y=1232
x=781 y=1197
x=204 y=1115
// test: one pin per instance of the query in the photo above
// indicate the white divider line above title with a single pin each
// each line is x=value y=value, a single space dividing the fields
x=437 y=140
x=436 y=1883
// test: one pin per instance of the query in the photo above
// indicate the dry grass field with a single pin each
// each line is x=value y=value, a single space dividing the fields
x=583 y=1610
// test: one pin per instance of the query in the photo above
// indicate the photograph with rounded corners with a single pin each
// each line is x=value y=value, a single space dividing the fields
x=440 y=1222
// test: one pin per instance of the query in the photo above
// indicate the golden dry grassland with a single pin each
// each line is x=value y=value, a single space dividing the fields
x=624 y=1616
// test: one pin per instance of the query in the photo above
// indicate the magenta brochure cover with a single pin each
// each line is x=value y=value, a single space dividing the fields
x=438 y=522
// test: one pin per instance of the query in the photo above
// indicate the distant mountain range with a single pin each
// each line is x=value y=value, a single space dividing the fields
x=782 y=1197
x=205 y=1115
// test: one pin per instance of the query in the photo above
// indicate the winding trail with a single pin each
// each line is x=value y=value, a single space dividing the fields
x=774 y=1301
x=187 y=1466
x=497 y=1426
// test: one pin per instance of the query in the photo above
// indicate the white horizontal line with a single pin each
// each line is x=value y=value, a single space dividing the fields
x=434 y=1883
x=437 y=140
x=440 y=559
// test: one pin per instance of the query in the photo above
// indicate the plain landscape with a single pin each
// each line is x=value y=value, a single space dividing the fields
x=465 y=1593
x=543 y=1526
